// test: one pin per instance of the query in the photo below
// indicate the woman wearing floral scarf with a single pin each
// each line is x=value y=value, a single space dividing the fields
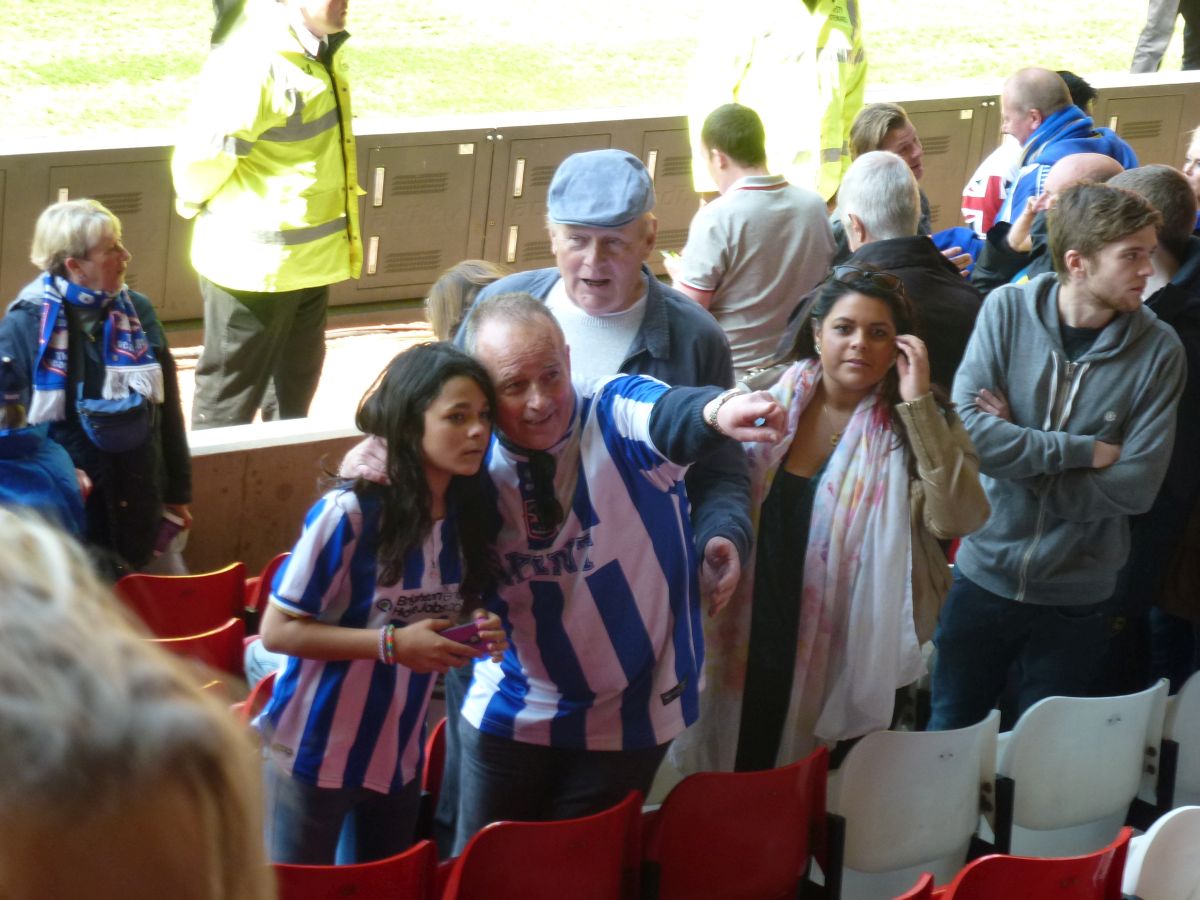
x=847 y=576
x=103 y=380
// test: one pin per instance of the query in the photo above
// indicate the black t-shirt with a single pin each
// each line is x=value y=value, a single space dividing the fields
x=1077 y=341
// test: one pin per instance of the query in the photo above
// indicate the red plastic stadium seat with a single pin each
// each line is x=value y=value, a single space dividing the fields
x=247 y=709
x=435 y=760
x=739 y=835
x=405 y=876
x=431 y=778
x=178 y=605
x=1094 y=876
x=220 y=648
x=579 y=859
x=258 y=587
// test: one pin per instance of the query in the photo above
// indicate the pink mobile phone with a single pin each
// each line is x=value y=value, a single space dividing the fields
x=464 y=634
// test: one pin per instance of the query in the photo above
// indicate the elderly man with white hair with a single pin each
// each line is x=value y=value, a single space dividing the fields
x=879 y=203
x=879 y=206
x=599 y=588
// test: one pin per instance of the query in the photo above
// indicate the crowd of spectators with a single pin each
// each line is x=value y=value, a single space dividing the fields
x=707 y=522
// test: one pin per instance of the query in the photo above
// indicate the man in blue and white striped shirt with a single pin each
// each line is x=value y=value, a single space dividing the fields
x=600 y=594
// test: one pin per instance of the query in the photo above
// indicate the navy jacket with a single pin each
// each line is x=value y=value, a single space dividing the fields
x=999 y=264
x=1164 y=565
x=36 y=473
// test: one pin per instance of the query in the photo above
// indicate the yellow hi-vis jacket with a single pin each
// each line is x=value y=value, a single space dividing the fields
x=266 y=163
x=803 y=72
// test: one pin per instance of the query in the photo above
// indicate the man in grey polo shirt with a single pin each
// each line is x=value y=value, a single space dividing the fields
x=756 y=250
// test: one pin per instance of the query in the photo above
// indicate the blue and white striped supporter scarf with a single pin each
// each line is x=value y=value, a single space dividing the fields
x=129 y=361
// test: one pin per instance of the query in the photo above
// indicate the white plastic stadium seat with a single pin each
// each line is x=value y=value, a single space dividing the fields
x=1077 y=763
x=1164 y=863
x=1183 y=726
x=911 y=801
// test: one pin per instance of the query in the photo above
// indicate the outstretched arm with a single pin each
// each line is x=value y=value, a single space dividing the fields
x=688 y=423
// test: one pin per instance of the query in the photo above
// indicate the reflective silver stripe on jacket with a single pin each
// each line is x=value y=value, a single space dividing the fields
x=296 y=129
x=234 y=146
x=294 y=235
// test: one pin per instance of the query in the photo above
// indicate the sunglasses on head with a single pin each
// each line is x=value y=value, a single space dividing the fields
x=848 y=274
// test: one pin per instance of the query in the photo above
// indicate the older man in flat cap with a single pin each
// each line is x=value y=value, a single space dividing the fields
x=617 y=317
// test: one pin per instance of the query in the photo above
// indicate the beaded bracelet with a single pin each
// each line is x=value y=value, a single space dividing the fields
x=387 y=645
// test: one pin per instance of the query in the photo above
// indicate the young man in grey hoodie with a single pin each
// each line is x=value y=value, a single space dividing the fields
x=1068 y=389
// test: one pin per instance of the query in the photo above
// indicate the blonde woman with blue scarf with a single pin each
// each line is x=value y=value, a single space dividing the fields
x=102 y=381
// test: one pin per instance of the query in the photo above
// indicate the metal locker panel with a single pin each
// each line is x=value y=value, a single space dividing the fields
x=949 y=137
x=668 y=156
x=528 y=167
x=417 y=214
x=1149 y=124
x=988 y=134
x=139 y=194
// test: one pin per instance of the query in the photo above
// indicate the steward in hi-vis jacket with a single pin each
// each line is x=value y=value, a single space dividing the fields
x=801 y=66
x=266 y=167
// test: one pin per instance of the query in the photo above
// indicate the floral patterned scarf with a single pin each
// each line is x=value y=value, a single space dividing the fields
x=856 y=642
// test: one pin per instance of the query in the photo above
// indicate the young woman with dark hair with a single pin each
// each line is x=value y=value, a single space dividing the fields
x=873 y=469
x=379 y=572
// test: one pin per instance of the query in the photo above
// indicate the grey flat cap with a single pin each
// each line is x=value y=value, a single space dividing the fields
x=600 y=189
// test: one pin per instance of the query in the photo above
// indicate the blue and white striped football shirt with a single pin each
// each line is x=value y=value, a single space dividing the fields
x=602 y=613
x=356 y=723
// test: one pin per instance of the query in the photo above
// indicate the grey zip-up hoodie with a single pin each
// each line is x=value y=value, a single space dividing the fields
x=1059 y=529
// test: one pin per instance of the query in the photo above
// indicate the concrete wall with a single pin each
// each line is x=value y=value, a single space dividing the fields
x=252 y=485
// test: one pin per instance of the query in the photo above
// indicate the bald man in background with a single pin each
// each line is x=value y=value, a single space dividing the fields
x=1016 y=251
x=1036 y=109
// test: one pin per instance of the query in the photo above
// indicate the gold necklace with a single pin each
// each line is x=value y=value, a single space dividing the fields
x=834 y=436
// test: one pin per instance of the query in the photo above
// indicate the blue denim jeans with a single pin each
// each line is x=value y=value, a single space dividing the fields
x=505 y=779
x=1174 y=648
x=304 y=822
x=981 y=636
